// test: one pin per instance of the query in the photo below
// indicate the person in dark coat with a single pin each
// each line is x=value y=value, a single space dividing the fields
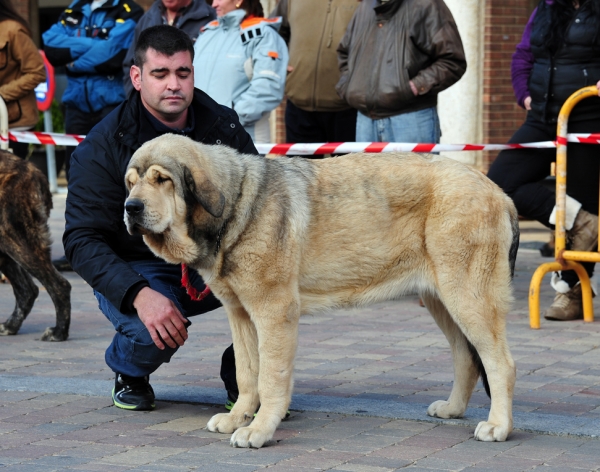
x=557 y=55
x=139 y=293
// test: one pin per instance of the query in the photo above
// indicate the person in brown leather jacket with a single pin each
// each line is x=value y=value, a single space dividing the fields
x=313 y=29
x=395 y=57
x=21 y=70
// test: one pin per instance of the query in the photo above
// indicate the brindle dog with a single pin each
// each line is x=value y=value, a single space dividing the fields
x=25 y=204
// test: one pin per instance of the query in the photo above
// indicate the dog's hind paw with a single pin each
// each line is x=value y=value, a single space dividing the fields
x=443 y=409
x=249 y=437
x=487 y=431
x=4 y=331
x=225 y=423
x=54 y=334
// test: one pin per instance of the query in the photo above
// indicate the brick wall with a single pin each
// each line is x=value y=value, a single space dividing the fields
x=504 y=24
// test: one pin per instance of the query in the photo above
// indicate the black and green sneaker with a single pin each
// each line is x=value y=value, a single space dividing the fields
x=133 y=393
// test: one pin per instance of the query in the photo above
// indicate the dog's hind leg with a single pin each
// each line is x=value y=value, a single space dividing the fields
x=479 y=311
x=59 y=289
x=25 y=292
x=466 y=372
x=494 y=352
x=245 y=344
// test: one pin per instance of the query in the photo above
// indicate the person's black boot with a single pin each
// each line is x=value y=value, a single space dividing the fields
x=133 y=393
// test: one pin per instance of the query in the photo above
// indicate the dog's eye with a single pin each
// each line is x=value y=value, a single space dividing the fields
x=161 y=180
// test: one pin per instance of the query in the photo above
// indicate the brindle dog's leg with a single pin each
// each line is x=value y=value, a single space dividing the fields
x=25 y=292
x=58 y=288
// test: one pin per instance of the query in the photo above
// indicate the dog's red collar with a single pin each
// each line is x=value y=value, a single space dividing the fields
x=191 y=291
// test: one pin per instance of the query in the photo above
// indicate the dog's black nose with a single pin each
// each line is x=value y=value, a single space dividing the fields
x=134 y=206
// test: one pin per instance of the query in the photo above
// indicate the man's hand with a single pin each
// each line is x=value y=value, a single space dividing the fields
x=413 y=87
x=527 y=103
x=161 y=317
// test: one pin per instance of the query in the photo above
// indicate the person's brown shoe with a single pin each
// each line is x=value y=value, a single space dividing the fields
x=584 y=233
x=566 y=306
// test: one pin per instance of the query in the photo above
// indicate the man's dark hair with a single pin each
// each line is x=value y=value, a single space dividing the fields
x=164 y=39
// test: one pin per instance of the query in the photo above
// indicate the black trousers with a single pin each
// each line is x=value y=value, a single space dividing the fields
x=520 y=172
x=79 y=122
x=19 y=149
x=303 y=126
x=228 y=373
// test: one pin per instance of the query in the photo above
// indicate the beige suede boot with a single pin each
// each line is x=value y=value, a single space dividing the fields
x=584 y=233
x=566 y=306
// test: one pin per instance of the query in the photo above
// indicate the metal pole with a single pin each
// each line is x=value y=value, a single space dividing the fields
x=3 y=125
x=50 y=156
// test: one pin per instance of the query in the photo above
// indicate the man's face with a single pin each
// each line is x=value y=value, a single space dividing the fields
x=175 y=5
x=166 y=85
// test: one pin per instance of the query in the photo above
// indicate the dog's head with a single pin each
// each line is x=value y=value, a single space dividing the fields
x=170 y=186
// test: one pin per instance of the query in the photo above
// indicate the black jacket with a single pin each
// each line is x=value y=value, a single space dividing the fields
x=556 y=75
x=96 y=241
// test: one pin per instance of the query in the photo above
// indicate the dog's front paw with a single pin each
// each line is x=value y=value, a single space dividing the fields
x=250 y=437
x=443 y=409
x=487 y=431
x=54 y=334
x=225 y=423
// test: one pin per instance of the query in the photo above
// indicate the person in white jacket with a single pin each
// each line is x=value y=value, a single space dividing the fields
x=241 y=61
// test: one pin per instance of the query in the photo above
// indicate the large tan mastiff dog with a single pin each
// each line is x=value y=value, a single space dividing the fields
x=278 y=238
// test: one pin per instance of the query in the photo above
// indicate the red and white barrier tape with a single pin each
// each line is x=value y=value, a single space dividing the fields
x=309 y=149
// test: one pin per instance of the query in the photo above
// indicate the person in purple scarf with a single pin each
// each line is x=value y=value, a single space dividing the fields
x=559 y=53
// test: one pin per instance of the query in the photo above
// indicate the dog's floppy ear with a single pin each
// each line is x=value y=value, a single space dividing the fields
x=205 y=192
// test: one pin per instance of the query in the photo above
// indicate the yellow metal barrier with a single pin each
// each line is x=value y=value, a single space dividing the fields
x=565 y=260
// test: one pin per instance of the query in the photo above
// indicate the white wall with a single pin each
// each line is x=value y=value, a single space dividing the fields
x=460 y=107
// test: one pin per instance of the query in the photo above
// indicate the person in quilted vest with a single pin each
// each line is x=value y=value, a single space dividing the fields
x=557 y=55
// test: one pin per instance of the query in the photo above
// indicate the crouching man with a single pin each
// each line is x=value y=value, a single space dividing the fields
x=140 y=294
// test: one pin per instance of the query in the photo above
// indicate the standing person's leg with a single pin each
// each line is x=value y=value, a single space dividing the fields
x=337 y=126
x=367 y=129
x=342 y=126
x=19 y=149
x=421 y=126
x=301 y=126
x=132 y=355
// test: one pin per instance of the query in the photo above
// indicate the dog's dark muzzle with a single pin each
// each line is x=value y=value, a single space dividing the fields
x=134 y=214
x=134 y=206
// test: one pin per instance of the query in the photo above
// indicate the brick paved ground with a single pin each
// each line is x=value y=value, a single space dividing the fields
x=363 y=381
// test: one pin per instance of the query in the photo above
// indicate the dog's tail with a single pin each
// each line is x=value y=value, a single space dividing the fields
x=512 y=253
x=480 y=368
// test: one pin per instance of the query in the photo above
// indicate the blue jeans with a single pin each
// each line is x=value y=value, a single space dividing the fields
x=421 y=126
x=132 y=351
